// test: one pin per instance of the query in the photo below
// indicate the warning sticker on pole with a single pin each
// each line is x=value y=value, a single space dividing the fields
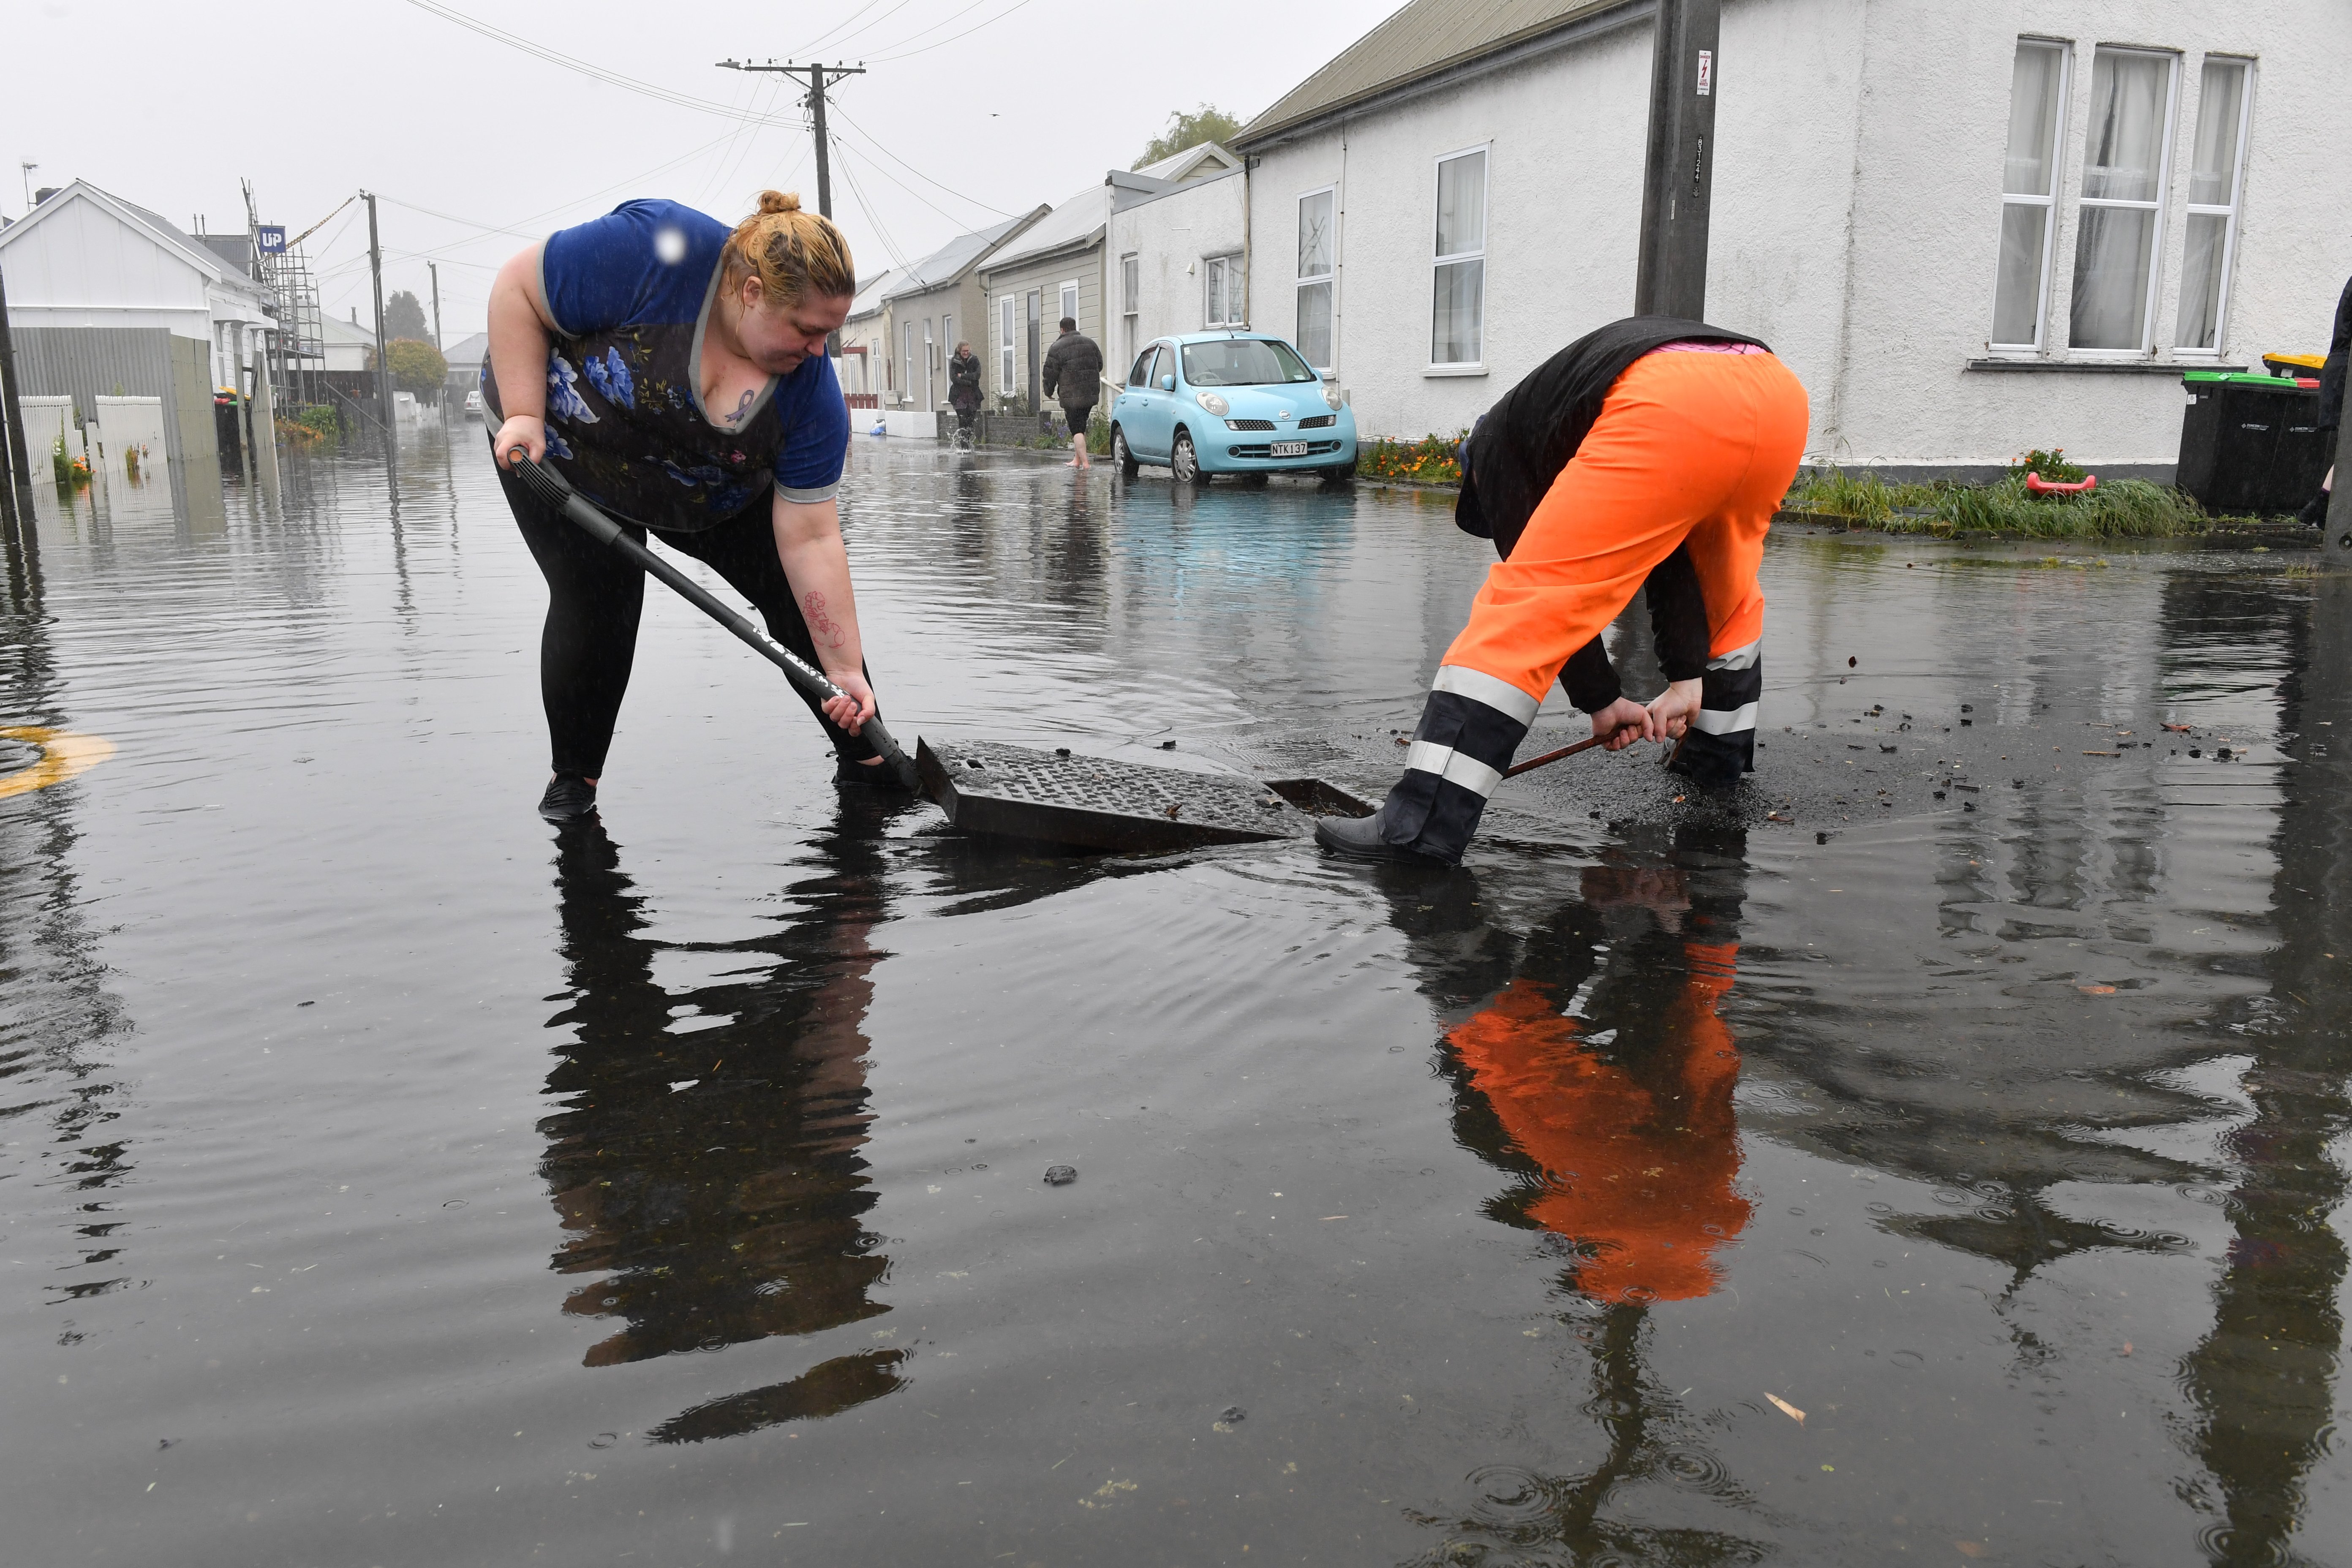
x=1705 y=72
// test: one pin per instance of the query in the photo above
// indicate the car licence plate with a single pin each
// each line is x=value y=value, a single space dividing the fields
x=1287 y=449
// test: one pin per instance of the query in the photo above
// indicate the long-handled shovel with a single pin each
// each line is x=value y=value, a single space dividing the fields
x=556 y=491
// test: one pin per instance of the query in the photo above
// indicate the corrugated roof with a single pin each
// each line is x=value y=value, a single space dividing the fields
x=1423 y=38
x=949 y=262
x=1080 y=217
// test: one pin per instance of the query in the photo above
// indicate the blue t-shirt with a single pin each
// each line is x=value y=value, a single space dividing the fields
x=631 y=294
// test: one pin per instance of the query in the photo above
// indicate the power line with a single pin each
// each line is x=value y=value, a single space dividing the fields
x=866 y=206
x=885 y=152
x=570 y=63
x=870 y=25
x=968 y=32
x=819 y=40
x=918 y=195
x=935 y=26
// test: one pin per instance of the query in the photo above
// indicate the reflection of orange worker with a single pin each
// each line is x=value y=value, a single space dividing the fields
x=1639 y=1158
x=1645 y=436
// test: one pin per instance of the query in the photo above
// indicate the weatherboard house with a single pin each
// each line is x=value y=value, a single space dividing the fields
x=106 y=299
x=1970 y=230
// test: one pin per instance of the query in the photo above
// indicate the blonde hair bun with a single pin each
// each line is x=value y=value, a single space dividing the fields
x=795 y=255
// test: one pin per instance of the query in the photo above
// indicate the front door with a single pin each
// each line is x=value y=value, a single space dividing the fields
x=1036 y=369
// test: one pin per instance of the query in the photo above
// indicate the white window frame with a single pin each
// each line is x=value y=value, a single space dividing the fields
x=1007 y=308
x=2049 y=204
x=2229 y=213
x=1130 y=304
x=1065 y=295
x=2160 y=207
x=1230 y=262
x=1484 y=151
x=1331 y=279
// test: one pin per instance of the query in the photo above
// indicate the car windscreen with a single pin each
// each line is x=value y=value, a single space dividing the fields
x=1243 y=361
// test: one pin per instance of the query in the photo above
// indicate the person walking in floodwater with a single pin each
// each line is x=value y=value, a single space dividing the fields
x=674 y=371
x=963 y=386
x=2331 y=402
x=1073 y=376
x=1648 y=436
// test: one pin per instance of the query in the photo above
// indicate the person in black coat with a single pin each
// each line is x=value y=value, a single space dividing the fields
x=2331 y=400
x=1073 y=376
x=963 y=386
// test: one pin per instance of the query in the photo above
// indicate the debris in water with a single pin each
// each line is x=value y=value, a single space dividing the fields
x=1851 y=661
x=1060 y=1176
x=2097 y=990
x=306 y=1004
x=2196 y=750
x=1233 y=1413
x=1167 y=745
x=1787 y=1409
x=2223 y=753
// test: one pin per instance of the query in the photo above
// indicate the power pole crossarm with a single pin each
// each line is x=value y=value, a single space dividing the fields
x=817 y=77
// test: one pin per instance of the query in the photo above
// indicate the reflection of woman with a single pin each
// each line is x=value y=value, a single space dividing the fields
x=675 y=373
x=963 y=386
x=712 y=1186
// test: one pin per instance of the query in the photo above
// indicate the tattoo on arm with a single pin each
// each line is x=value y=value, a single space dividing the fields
x=823 y=628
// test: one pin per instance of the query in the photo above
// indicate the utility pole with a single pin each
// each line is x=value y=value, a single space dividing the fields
x=816 y=76
x=435 y=268
x=383 y=359
x=1678 y=174
x=12 y=408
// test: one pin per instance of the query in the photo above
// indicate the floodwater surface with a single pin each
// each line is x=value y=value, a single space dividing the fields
x=1937 y=1154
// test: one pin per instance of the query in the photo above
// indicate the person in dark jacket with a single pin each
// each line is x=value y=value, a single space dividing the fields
x=1073 y=376
x=1649 y=438
x=963 y=386
x=2331 y=401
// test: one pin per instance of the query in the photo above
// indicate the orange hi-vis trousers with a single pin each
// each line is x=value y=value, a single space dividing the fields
x=1696 y=446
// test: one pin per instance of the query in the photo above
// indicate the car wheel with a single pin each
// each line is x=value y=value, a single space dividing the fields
x=1184 y=462
x=1123 y=454
x=1339 y=478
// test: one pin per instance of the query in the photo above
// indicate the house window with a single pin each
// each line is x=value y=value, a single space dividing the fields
x=1458 y=307
x=1069 y=302
x=2029 y=183
x=2125 y=162
x=2217 y=169
x=1005 y=346
x=1130 y=287
x=1318 y=277
x=1224 y=307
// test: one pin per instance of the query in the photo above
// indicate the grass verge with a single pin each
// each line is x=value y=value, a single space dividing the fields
x=2121 y=508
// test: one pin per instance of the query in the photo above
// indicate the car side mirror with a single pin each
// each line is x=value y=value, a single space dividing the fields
x=1166 y=383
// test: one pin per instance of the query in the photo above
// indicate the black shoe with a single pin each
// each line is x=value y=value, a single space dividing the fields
x=1359 y=838
x=848 y=775
x=569 y=798
x=2314 y=511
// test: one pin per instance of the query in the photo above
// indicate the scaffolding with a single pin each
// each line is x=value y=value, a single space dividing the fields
x=298 y=349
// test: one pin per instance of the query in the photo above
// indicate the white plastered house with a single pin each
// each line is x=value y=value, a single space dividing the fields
x=1970 y=230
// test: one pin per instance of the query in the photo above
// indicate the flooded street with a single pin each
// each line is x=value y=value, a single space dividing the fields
x=1953 y=1170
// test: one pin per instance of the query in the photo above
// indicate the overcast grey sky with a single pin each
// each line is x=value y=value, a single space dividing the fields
x=992 y=107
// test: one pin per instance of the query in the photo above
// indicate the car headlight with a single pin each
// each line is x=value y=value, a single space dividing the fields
x=1212 y=403
x=1331 y=398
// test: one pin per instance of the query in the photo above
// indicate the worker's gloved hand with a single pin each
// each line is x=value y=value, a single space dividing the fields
x=1621 y=724
x=1672 y=710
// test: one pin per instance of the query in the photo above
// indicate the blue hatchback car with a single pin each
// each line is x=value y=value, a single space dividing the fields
x=1230 y=403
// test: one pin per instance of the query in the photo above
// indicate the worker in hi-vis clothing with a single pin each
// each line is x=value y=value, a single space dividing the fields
x=1654 y=449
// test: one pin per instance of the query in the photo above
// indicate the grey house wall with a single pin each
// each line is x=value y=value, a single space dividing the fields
x=962 y=300
x=88 y=363
x=1047 y=274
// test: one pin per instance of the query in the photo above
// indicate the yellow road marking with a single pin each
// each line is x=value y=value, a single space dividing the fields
x=64 y=754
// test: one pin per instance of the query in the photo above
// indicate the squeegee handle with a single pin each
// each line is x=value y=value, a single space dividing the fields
x=799 y=671
x=1584 y=745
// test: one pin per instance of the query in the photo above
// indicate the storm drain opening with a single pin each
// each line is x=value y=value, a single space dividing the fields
x=1098 y=803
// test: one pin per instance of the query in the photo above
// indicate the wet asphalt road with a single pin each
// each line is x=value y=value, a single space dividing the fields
x=387 y=1178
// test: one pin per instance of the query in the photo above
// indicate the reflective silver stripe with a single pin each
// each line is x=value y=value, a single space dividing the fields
x=1739 y=658
x=1448 y=763
x=1479 y=687
x=810 y=496
x=1726 y=721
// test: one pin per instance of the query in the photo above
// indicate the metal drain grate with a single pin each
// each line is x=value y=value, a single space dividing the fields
x=1094 y=802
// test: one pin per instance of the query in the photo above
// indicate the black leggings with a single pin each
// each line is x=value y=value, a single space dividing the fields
x=594 y=598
